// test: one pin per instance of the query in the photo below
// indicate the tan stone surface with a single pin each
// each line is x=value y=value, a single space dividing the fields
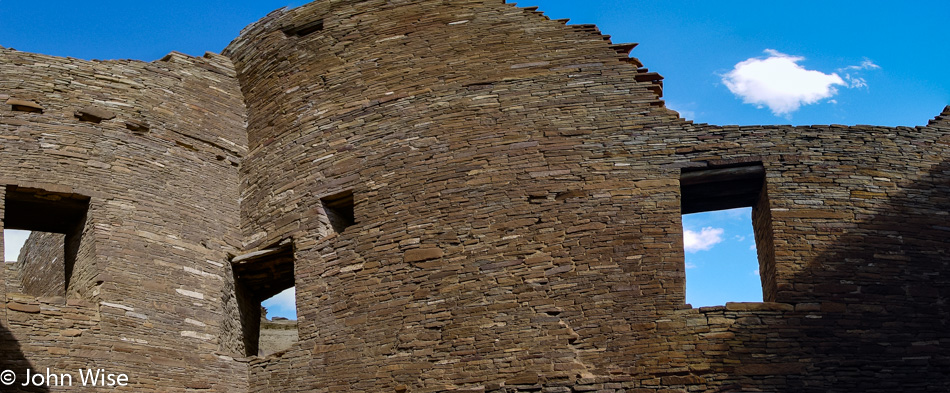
x=161 y=206
x=516 y=217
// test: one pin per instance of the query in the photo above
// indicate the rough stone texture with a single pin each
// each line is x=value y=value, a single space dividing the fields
x=162 y=215
x=546 y=169
x=41 y=265
x=516 y=226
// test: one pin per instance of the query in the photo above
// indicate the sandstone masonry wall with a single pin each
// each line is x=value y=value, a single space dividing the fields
x=516 y=204
x=156 y=149
x=41 y=265
x=518 y=222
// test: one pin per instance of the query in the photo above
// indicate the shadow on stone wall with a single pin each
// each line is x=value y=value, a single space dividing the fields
x=12 y=358
x=871 y=309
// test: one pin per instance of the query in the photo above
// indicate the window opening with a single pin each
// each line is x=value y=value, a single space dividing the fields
x=304 y=29
x=264 y=284
x=53 y=259
x=278 y=322
x=727 y=235
x=339 y=210
x=24 y=106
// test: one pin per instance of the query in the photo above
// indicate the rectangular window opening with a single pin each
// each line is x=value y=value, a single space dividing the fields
x=727 y=235
x=265 y=284
x=43 y=238
x=339 y=210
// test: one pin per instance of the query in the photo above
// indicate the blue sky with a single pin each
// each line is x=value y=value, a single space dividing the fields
x=694 y=44
x=283 y=304
x=749 y=62
x=721 y=261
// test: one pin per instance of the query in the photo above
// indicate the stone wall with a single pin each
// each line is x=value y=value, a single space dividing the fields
x=518 y=224
x=516 y=217
x=155 y=148
x=41 y=265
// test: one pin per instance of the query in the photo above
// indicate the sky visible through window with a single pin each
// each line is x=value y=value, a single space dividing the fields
x=13 y=240
x=721 y=261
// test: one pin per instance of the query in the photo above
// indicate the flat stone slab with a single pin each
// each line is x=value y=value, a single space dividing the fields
x=422 y=254
x=94 y=114
x=28 y=308
x=24 y=105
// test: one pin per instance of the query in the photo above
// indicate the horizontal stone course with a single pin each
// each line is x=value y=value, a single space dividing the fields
x=516 y=200
x=159 y=201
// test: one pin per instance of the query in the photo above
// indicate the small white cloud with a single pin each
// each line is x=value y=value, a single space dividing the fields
x=779 y=82
x=690 y=265
x=866 y=64
x=855 y=82
x=851 y=76
x=755 y=272
x=752 y=247
x=739 y=238
x=705 y=239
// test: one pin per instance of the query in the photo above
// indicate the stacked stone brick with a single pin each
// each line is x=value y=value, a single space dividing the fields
x=162 y=181
x=517 y=220
x=40 y=267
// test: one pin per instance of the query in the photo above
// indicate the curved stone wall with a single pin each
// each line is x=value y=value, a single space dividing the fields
x=472 y=197
x=517 y=214
x=41 y=264
x=488 y=236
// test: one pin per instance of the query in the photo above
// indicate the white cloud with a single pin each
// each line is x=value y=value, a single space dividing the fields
x=690 y=265
x=752 y=247
x=851 y=76
x=703 y=240
x=755 y=272
x=866 y=64
x=779 y=82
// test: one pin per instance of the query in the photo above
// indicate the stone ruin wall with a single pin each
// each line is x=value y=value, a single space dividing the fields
x=40 y=266
x=517 y=208
x=517 y=217
x=162 y=180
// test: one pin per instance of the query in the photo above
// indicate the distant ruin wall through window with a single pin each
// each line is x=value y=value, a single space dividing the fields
x=727 y=235
x=56 y=259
